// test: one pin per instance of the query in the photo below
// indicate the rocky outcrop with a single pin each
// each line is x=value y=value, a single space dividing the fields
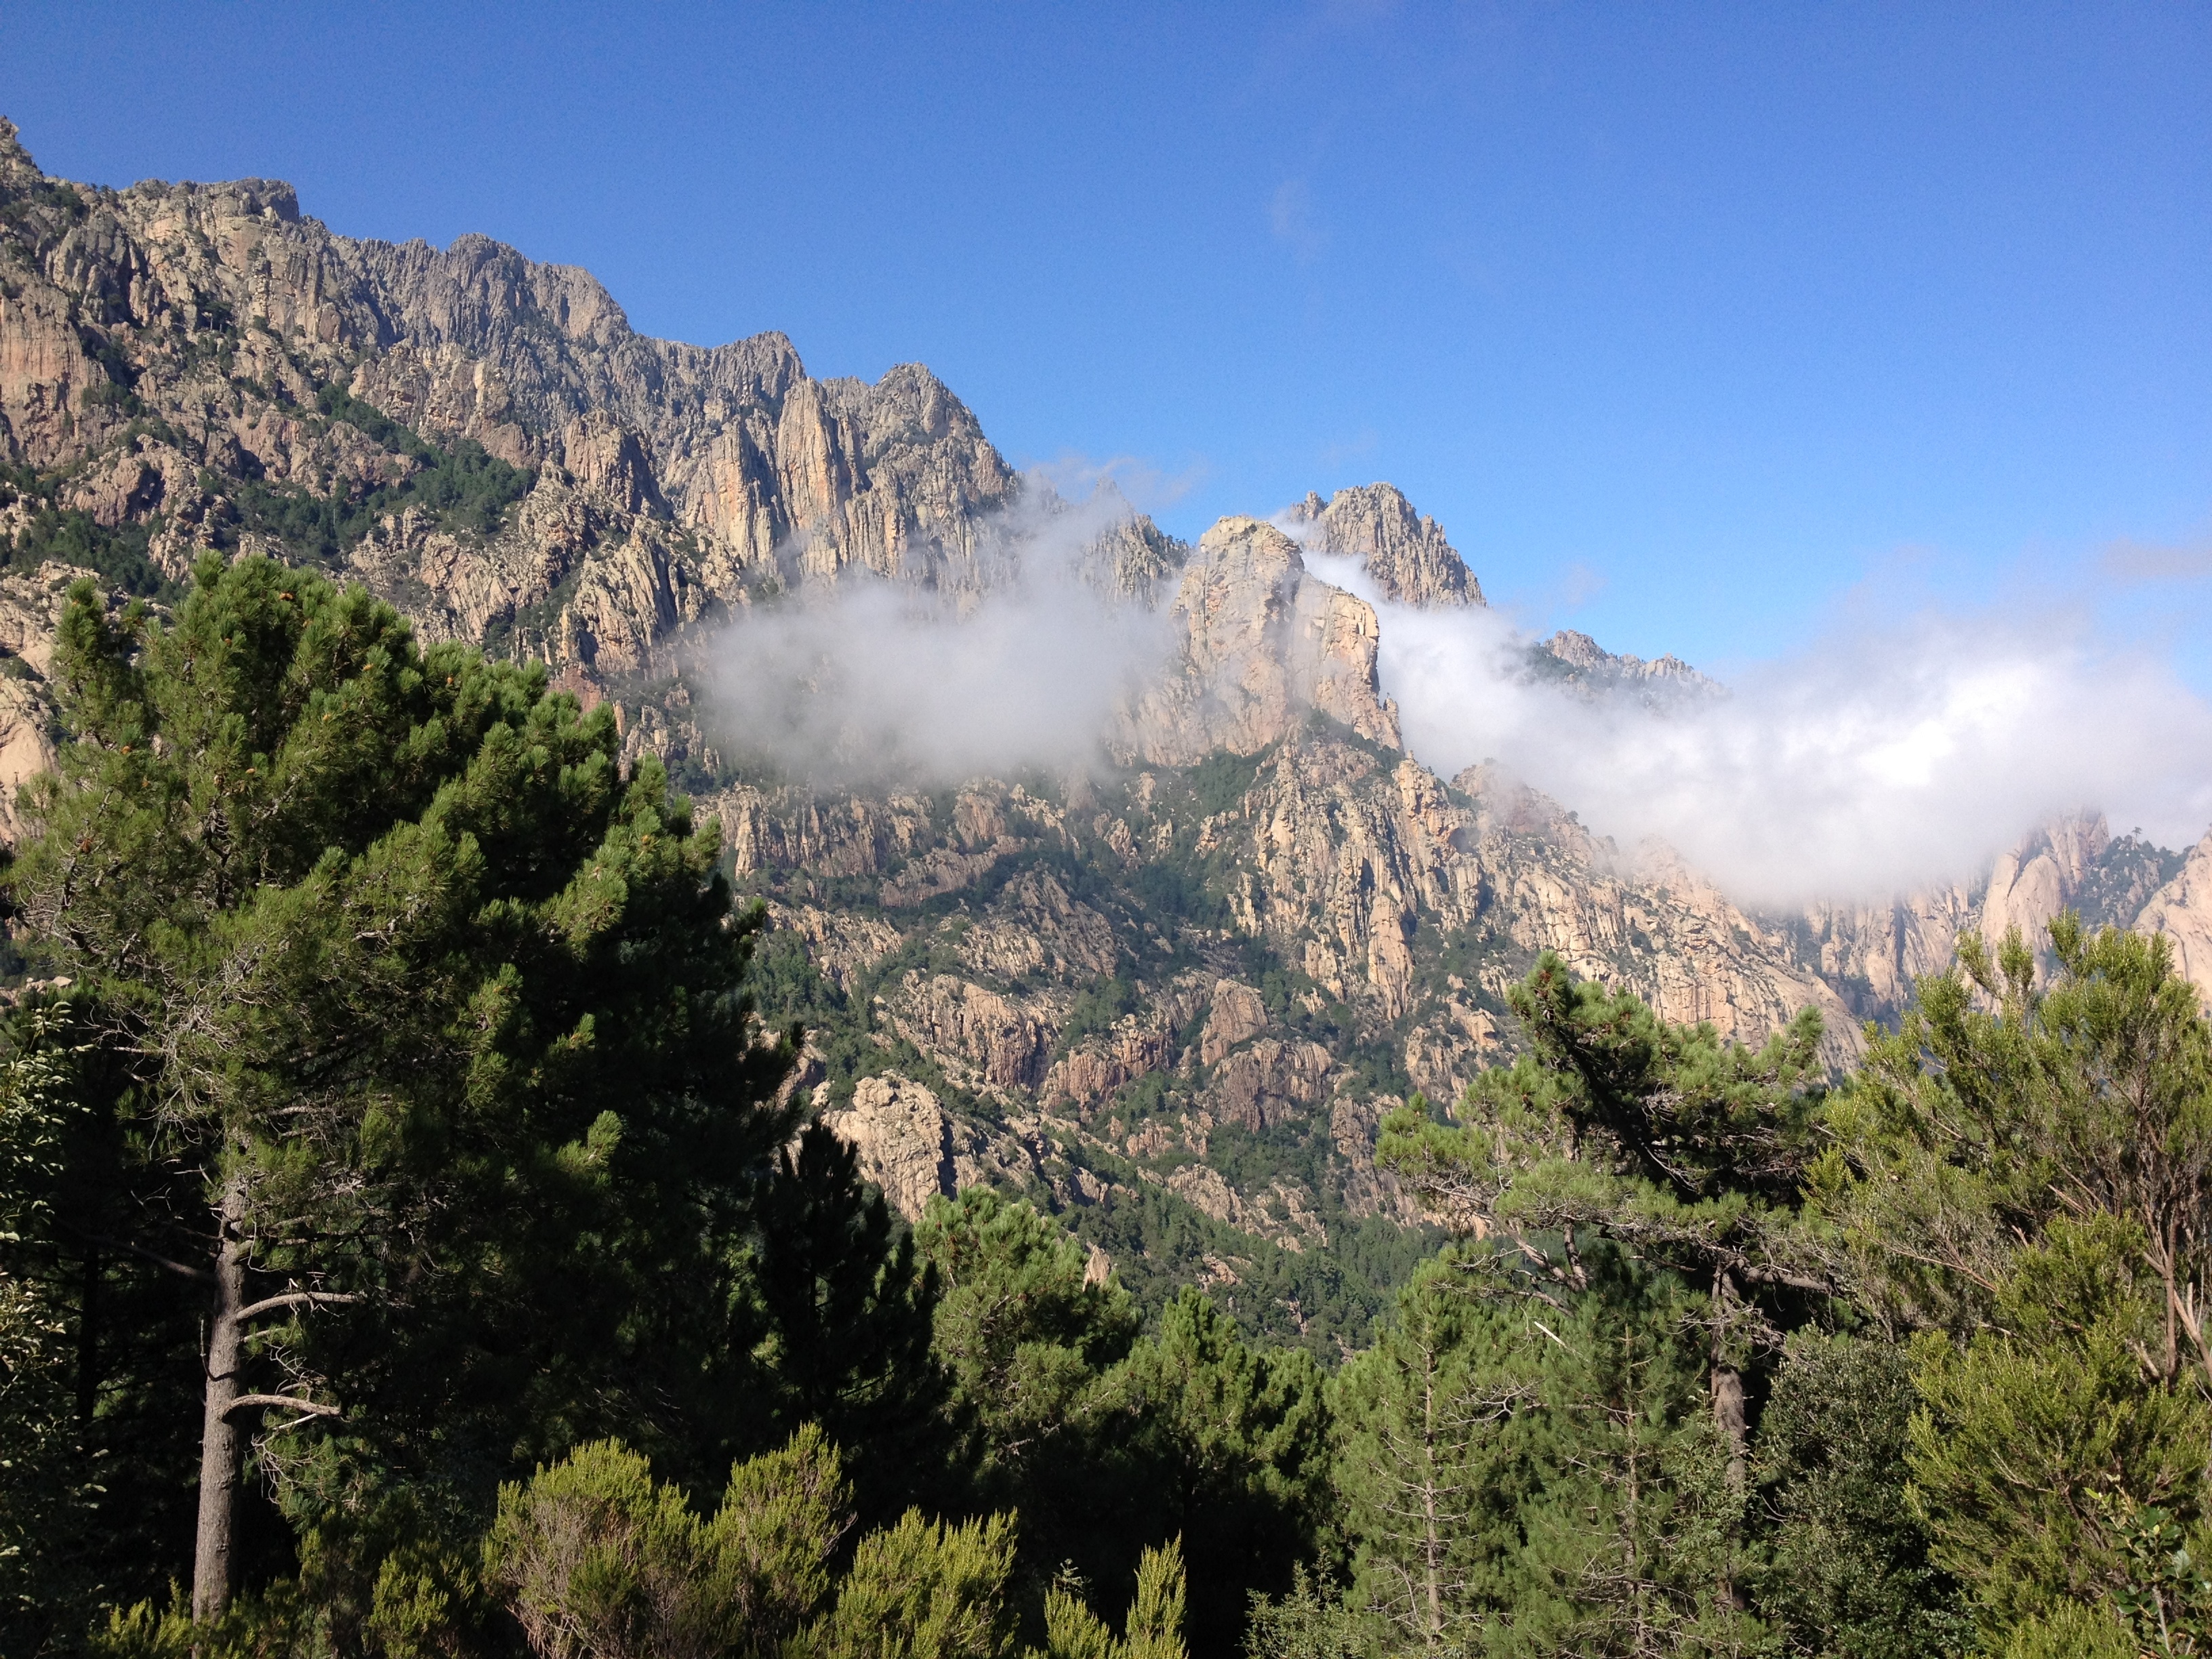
x=2182 y=911
x=1133 y=560
x=1404 y=553
x=913 y=1148
x=30 y=604
x=1577 y=661
x=840 y=944
x=163 y=334
x=1235 y=1016
x=987 y=1038
x=1094 y=1069
x=1271 y=1082
x=2033 y=882
x=1035 y=929
x=904 y=1138
x=1265 y=644
x=1871 y=954
x=26 y=747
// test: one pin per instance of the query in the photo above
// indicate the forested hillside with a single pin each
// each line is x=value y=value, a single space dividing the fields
x=496 y=1157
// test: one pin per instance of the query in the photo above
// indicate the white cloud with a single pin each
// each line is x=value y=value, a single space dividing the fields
x=1889 y=754
x=873 y=683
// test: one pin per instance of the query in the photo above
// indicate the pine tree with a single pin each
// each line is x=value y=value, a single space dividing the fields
x=1224 y=1446
x=1432 y=1457
x=1999 y=1105
x=1847 y=1566
x=921 y=1589
x=1028 y=1337
x=843 y=1316
x=1686 y=1149
x=2023 y=1174
x=1151 y=1630
x=46 y=1482
x=600 y=1560
x=426 y=1011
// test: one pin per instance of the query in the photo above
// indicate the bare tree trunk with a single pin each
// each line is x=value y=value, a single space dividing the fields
x=1431 y=1539
x=221 y=1441
x=1730 y=1415
x=87 y=1344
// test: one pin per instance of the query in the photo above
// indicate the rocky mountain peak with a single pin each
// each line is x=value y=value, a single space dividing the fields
x=16 y=167
x=1283 y=919
x=1574 y=658
x=1267 y=643
x=1403 y=552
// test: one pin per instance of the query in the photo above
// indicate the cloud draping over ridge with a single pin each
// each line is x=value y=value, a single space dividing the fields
x=873 y=682
x=1888 y=754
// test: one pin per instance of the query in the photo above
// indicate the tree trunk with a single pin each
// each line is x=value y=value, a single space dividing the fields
x=1730 y=1415
x=87 y=1345
x=1431 y=1537
x=220 y=1437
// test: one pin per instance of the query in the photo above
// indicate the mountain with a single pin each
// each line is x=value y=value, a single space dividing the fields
x=1170 y=996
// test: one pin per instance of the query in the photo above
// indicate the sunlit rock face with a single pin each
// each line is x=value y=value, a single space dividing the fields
x=1404 y=553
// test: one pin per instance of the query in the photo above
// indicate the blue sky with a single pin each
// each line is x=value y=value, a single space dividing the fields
x=1692 y=323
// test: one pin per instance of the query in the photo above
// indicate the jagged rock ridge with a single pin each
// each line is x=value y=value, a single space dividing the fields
x=1404 y=553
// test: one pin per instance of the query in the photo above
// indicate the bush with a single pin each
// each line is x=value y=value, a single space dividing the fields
x=597 y=1560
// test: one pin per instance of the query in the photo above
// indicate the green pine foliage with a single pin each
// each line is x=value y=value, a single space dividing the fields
x=1108 y=1444
x=1848 y=1566
x=843 y=1315
x=426 y=1077
x=1152 y=1628
x=1225 y=1446
x=1027 y=1338
x=598 y=1561
x=921 y=1589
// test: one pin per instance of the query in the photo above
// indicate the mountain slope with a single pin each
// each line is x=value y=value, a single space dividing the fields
x=1170 y=994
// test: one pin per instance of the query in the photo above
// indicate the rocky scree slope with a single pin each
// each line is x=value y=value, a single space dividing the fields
x=1170 y=1000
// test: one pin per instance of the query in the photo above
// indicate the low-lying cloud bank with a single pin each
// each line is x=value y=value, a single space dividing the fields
x=1888 y=755
x=872 y=683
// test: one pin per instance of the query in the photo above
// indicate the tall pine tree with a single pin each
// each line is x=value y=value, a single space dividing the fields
x=430 y=1052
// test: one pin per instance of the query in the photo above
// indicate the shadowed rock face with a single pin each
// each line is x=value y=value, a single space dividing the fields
x=1186 y=989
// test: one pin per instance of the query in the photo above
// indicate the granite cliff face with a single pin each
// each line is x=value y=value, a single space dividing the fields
x=1871 y=953
x=1263 y=645
x=166 y=349
x=1172 y=995
x=1403 y=553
